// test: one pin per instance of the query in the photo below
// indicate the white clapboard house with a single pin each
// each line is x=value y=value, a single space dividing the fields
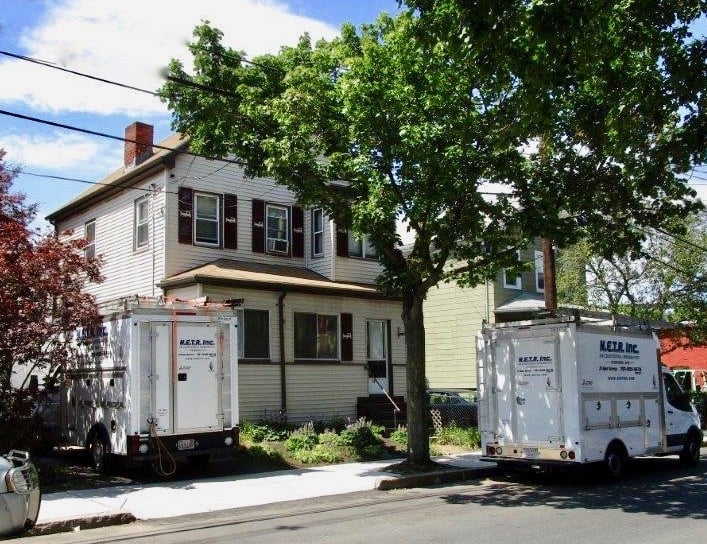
x=317 y=339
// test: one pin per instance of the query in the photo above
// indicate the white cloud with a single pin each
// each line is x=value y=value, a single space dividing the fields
x=60 y=151
x=131 y=42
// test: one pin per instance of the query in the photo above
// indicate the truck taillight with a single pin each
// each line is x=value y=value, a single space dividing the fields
x=494 y=450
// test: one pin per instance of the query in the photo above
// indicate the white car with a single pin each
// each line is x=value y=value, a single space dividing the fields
x=20 y=495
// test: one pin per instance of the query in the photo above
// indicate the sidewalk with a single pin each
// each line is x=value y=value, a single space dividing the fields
x=88 y=508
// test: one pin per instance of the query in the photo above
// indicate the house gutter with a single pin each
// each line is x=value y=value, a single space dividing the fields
x=283 y=382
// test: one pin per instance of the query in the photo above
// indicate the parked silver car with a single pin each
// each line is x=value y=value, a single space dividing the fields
x=20 y=495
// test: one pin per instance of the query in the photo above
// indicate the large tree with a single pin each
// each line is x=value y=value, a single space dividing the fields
x=411 y=118
x=667 y=281
x=42 y=301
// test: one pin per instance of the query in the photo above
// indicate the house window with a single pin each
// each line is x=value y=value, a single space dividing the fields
x=317 y=232
x=141 y=222
x=539 y=272
x=277 y=227
x=316 y=336
x=360 y=246
x=511 y=279
x=253 y=334
x=89 y=233
x=206 y=219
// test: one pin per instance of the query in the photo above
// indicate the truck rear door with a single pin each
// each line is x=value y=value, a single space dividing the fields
x=527 y=386
x=186 y=376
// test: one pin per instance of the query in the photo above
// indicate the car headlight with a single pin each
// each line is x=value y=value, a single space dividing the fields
x=16 y=481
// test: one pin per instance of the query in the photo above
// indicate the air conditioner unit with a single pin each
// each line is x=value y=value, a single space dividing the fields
x=277 y=246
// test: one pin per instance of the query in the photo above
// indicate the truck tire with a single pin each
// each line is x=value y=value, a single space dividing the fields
x=99 y=450
x=690 y=454
x=615 y=461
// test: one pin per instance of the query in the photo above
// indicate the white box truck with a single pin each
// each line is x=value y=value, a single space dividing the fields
x=153 y=382
x=559 y=391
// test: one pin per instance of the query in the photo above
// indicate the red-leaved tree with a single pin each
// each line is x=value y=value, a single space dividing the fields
x=42 y=300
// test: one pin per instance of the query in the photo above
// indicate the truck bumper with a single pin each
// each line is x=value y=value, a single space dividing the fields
x=147 y=448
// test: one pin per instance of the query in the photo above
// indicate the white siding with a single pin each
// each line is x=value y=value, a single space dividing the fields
x=126 y=271
x=453 y=316
x=258 y=391
x=357 y=270
x=324 y=392
x=213 y=177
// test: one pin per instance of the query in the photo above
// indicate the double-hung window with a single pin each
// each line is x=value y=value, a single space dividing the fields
x=207 y=219
x=317 y=232
x=141 y=232
x=316 y=336
x=89 y=233
x=253 y=334
x=361 y=246
x=277 y=229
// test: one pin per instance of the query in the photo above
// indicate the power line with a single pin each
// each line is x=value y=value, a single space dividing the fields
x=48 y=64
x=113 y=137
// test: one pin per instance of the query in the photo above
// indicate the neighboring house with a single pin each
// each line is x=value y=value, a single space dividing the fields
x=454 y=314
x=312 y=324
x=685 y=359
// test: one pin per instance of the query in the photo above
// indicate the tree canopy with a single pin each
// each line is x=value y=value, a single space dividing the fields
x=481 y=124
x=42 y=301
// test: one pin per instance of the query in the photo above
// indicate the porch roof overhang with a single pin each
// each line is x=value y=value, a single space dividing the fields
x=525 y=302
x=280 y=278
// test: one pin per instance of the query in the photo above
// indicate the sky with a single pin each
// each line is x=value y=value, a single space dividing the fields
x=131 y=42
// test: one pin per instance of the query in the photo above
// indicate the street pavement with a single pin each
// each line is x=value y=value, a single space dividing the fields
x=87 y=508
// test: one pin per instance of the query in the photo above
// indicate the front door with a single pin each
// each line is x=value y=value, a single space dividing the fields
x=377 y=356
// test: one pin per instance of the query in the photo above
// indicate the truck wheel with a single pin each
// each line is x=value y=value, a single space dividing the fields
x=99 y=448
x=690 y=454
x=615 y=462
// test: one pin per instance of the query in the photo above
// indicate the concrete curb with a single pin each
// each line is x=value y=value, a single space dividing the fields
x=437 y=477
x=76 y=524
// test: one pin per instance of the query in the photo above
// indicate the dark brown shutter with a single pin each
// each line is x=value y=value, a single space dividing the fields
x=346 y=337
x=297 y=232
x=342 y=242
x=186 y=212
x=230 y=221
x=258 y=238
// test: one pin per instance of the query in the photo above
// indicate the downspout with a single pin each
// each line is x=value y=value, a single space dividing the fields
x=283 y=383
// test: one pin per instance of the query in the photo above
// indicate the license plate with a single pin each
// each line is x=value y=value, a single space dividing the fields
x=186 y=444
x=531 y=453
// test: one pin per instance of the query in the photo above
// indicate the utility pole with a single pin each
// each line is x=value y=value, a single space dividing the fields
x=549 y=275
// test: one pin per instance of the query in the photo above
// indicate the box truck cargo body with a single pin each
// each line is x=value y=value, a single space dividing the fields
x=564 y=392
x=154 y=379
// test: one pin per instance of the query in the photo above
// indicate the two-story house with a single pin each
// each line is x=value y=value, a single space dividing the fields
x=315 y=335
x=454 y=314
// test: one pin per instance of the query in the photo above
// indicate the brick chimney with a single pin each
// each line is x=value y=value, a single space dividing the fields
x=138 y=143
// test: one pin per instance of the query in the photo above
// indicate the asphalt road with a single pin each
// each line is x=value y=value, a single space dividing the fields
x=657 y=502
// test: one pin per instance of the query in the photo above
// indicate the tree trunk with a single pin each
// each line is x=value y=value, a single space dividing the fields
x=418 y=439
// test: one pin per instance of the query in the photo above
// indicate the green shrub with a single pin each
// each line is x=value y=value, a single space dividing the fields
x=465 y=437
x=304 y=438
x=330 y=439
x=320 y=453
x=399 y=435
x=267 y=454
x=361 y=435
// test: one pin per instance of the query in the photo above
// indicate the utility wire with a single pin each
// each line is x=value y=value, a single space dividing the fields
x=113 y=137
x=74 y=72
